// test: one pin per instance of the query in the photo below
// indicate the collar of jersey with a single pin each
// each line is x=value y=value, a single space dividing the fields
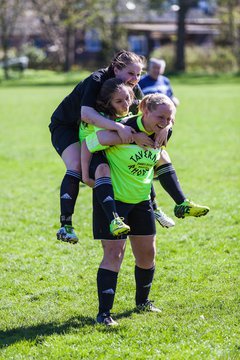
x=140 y=125
x=122 y=119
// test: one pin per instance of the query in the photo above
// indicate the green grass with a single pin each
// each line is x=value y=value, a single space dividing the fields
x=48 y=289
x=33 y=77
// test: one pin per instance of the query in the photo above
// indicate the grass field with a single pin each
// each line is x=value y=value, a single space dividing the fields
x=48 y=289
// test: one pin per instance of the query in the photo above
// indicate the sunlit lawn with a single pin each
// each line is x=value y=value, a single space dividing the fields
x=48 y=289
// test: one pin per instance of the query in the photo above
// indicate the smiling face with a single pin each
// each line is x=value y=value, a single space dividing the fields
x=130 y=74
x=121 y=101
x=157 y=119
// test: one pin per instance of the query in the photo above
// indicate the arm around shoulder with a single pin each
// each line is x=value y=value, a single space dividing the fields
x=91 y=116
x=101 y=140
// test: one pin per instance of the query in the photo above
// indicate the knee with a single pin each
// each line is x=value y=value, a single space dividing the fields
x=74 y=164
x=146 y=261
x=116 y=256
x=71 y=156
x=102 y=170
x=113 y=258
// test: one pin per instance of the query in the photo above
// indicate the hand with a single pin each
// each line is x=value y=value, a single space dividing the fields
x=88 y=181
x=143 y=140
x=161 y=138
x=126 y=133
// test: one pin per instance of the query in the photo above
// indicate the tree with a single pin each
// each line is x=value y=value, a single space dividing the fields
x=60 y=20
x=184 y=6
x=10 y=11
x=112 y=33
x=229 y=12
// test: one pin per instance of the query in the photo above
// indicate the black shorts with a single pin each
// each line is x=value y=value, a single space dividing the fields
x=64 y=135
x=98 y=158
x=140 y=218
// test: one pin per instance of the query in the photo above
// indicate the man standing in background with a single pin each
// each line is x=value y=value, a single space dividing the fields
x=155 y=82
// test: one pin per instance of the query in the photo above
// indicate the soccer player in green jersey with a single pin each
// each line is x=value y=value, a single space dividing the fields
x=132 y=171
x=64 y=127
x=79 y=106
x=117 y=97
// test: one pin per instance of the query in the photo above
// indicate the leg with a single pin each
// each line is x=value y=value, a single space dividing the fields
x=86 y=158
x=143 y=243
x=168 y=178
x=113 y=253
x=69 y=192
x=169 y=181
x=104 y=192
x=144 y=251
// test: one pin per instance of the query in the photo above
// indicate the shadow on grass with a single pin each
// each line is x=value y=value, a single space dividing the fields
x=38 y=332
x=124 y=314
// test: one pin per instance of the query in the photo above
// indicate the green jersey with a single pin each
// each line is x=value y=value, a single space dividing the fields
x=85 y=130
x=88 y=132
x=132 y=168
x=132 y=171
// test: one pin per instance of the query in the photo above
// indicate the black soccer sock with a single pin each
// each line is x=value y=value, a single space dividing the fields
x=153 y=198
x=68 y=196
x=104 y=192
x=143 y=278
x=169 y=181
x=106 y=284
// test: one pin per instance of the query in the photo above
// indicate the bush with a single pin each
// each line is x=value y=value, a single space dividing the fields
x=210 y=60
x=200 y=59
x=166 y=52
x=37 y=57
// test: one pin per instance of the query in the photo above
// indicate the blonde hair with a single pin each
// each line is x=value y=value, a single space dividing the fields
x=151 y=101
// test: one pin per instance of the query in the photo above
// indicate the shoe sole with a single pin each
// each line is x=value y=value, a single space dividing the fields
x=104 y=324
x=110 y=324
x=203 y=213
x=164 y=226
x=141 y=311
x=121 y=233
x=70 y=241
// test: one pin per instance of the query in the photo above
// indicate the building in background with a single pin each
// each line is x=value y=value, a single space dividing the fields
x=145 y=31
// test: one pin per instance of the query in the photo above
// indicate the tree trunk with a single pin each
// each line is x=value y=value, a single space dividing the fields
x=180 y=65
x=5 y=60
x=69 y=49
x=234 y=32
x=115 y=27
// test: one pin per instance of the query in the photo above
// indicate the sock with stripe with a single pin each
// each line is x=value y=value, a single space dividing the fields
x=104 y=193
x=153 y=198
x=169 y=181
x=106 y=284
x=68 y=196
x=143 y=278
